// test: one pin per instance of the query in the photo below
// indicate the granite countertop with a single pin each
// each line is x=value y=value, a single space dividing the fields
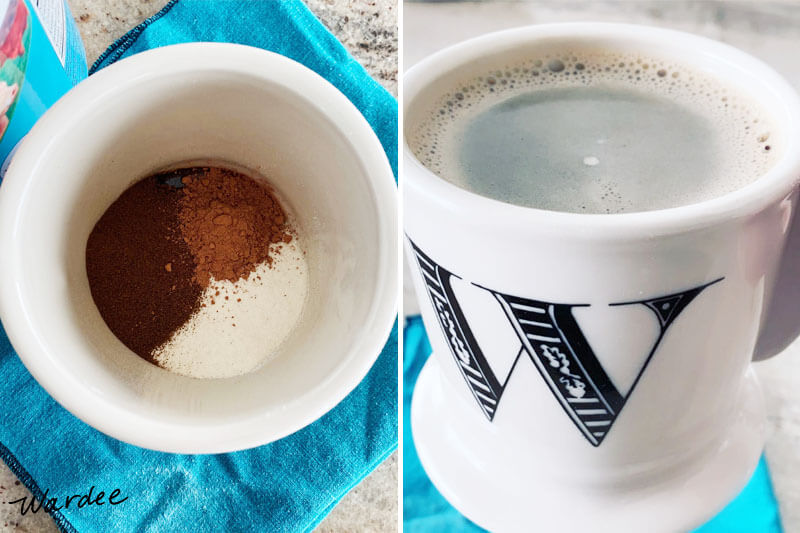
x=368 y=29
x=769 y=30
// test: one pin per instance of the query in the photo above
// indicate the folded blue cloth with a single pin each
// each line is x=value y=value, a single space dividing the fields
x=755 y=510
x=289 y=485
x=75 y=55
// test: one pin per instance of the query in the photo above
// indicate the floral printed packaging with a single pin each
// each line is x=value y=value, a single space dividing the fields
x=35 y=40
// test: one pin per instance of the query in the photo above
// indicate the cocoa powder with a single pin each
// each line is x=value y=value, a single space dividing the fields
x=229 y=221
x=155 y=250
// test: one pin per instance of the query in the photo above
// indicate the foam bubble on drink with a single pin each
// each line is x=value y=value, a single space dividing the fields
x=734 y=141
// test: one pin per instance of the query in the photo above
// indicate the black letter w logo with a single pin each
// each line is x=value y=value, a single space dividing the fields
x=552 y=340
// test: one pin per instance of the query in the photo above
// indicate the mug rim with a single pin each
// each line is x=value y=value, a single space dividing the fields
x=778 y=182
x=166 y=433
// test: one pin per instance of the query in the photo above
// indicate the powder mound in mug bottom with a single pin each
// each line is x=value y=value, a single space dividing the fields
x=241 y=325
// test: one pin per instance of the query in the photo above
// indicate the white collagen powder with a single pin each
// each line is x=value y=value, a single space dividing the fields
x=246 y=323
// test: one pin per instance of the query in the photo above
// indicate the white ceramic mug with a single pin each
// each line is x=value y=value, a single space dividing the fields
x=591 y=372
x=234 y=103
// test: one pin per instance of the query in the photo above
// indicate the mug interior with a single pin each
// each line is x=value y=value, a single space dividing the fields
x=427 y=82
x=238 y=119
x=464 y=62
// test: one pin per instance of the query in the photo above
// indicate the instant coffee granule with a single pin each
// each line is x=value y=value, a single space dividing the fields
x=141 y=272
x=154 y=255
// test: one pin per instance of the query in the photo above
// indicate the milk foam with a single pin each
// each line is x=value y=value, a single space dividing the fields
x=743 y=146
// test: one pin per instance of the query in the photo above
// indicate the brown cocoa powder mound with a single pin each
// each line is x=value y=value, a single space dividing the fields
x=141 y=272
x=228 y=221
x=151 y=255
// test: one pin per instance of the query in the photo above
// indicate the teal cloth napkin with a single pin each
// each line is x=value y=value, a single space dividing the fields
x=289 y=485
x=75 y=55
x=755 y=510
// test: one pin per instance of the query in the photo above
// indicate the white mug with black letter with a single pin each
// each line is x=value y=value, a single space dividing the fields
x=591 y=372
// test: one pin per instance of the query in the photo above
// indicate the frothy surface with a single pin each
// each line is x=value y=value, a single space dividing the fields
x=596 y=133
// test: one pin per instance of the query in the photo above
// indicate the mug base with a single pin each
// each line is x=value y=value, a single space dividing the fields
x=533 y=501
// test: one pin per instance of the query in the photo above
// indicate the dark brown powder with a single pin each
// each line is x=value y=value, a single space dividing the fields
x=142 y=302
x=153 y=253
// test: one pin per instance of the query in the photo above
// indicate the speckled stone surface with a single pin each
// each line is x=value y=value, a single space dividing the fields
x=769 y=30
x=368 y=29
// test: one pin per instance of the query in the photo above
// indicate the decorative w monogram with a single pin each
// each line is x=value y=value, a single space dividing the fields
x=553 y=341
